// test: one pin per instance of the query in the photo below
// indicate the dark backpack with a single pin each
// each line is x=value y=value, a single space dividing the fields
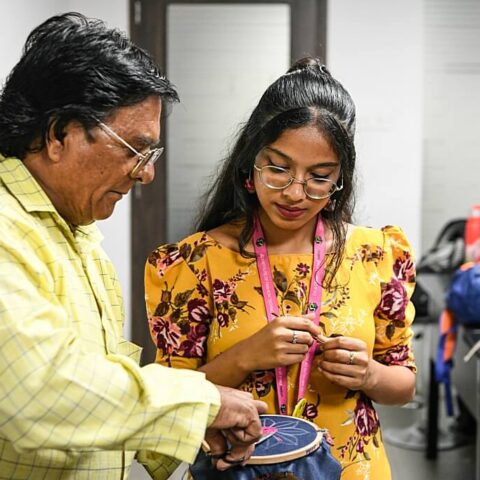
x=448 y=251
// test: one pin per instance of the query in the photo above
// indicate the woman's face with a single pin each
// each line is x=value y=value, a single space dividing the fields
x=305 y=154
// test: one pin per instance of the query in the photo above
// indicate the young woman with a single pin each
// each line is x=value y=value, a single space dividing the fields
x=278 y=293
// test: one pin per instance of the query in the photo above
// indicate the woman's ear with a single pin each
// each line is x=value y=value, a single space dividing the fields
x=249 y=185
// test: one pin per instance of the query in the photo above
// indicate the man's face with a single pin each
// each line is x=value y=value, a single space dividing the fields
x=91 y=176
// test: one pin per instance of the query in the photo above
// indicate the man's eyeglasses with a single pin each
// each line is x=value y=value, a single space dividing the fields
x=143 y=159
x=278 y=178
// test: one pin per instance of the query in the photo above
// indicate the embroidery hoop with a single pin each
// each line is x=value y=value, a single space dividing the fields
x=312 y=432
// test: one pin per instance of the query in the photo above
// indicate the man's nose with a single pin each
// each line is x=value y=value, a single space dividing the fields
x=146 y=174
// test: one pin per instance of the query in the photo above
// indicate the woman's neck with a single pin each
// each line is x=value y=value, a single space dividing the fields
x=288 y=241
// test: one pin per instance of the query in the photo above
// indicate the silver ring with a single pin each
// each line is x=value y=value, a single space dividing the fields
x=294 y=336
x=351 y=358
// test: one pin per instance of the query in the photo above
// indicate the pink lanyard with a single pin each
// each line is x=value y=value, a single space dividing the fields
x=271 y=304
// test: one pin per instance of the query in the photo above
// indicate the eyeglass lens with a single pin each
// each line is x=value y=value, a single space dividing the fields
x=275 y=177
x=149 y=158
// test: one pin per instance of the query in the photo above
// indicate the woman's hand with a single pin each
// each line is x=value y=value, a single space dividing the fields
x=284 y=341
x=345 y=362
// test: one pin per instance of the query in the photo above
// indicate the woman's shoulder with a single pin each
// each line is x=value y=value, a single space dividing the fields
x=384 y=237
x=188 y=250
x=227 y=235
x=386 y=245
x=174 y=249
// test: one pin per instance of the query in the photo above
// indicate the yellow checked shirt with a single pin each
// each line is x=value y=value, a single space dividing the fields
x=74 y=404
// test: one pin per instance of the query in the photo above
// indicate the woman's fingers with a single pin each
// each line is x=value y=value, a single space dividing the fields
x=343 y=343
x=342 y=369
x=344 y=361
x=345 y=357
x=307 y=330
x=296 y=337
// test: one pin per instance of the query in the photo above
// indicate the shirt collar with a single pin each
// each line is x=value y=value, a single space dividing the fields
x=22 y=185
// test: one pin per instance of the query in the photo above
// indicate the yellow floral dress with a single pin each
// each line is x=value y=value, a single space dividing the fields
x=202 y=298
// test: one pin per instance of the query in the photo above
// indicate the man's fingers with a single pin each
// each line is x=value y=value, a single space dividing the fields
x=215 y=442
x=235 y=456
x=261 y=407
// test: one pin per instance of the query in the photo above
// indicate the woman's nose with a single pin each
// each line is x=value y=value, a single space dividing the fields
x=295 y=190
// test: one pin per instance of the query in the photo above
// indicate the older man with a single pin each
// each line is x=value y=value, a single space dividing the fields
x=79 y=126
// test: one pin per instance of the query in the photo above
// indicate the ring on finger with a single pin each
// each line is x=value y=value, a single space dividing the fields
x=351 y=358
x=294 y=336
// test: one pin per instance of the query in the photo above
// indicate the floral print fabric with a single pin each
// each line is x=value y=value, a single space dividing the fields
x=202 y=298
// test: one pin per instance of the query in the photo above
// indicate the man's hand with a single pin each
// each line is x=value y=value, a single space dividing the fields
x=238 y=423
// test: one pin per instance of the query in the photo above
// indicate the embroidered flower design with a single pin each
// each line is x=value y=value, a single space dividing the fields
x=367 y=427
x=167 y=334
x=202 y=290
x=365 y=417
x=393 y=301
x=198 y=310
x=263 y=381
x=302 y=269
x=222 y=291
x=222 y=319
x=404 y=268
x=194 y=345
x=163 y=262
x=398 y=355
x=310 y=411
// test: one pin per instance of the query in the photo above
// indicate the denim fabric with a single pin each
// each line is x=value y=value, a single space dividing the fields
x=319 y=465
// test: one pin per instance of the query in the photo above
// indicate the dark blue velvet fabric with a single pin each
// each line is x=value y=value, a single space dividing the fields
x=292 y=434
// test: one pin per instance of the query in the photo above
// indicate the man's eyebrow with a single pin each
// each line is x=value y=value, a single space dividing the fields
x=142 y=141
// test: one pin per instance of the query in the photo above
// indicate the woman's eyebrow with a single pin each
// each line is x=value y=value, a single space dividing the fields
x=325 y=164
x=279 y=152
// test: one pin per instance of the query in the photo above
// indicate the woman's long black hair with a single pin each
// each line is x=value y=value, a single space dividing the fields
x=306 y=95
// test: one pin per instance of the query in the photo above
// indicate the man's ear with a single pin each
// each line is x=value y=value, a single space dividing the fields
x=54 y=146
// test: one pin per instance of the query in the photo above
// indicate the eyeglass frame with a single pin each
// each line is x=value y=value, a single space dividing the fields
x=336 y=189
x=143 y=159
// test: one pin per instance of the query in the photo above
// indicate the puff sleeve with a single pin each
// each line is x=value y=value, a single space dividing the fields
x=178 y=304
x=395 y=312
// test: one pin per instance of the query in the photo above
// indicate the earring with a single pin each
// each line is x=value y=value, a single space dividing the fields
x=248 y=184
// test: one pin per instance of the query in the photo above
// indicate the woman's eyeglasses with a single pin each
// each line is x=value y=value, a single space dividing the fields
x=279 y=178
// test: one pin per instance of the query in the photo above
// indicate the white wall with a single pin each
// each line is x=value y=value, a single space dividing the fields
x=117 y=228
x=19 y=17
x=244 y=49
x=374 y=47
x=452 y=105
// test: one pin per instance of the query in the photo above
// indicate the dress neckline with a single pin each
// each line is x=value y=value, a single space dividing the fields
x=350 y=234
